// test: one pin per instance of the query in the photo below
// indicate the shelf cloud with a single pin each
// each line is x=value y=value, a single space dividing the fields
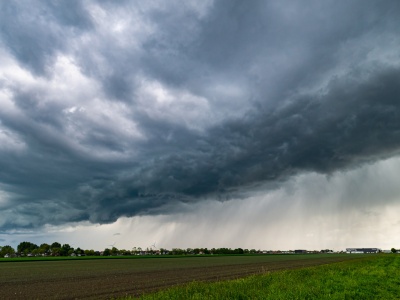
x=111 y=110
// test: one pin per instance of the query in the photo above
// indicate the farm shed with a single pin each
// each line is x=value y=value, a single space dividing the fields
x=363 y=250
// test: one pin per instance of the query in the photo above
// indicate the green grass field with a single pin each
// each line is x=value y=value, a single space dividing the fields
x=375 y=277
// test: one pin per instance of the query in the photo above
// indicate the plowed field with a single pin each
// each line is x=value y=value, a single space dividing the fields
x=108 y=278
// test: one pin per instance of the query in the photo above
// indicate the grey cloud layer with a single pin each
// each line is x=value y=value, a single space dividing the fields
x=178 y=103
x=318 y=134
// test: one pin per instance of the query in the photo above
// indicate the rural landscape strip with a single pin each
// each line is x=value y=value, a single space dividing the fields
x=374 y=277
x=107 y=278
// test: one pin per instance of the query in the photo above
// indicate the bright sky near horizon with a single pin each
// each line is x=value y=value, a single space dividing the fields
x=253 y=124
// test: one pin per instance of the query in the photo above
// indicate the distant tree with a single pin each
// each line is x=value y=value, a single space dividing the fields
x=26 y=247
x=106 y=252
x=89 y=252
x=65 y=249
x=44 y=249
x=114 y=251
x=55 y=251
x=55 y=245
x=177 y=251
x=224 y=251
x=6 y=250
x=326 y=251
x=393 y=250
x=125 y=252
x=238 y=251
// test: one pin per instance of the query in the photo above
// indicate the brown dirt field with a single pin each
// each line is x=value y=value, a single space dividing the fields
x=105 y=279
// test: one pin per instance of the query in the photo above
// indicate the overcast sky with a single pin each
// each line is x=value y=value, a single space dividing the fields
x=254 y=124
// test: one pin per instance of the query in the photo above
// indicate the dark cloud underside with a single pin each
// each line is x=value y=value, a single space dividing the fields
x=126 y=109
x=350 y=124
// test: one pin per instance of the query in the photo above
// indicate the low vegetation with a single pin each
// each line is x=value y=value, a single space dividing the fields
x=375 y=277
x=28 y=249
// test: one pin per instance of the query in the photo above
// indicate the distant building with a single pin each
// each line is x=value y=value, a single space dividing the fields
x=300 y=251
x=363 y=250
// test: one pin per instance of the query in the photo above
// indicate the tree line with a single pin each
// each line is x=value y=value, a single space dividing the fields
x=31 y=249
x=27 y=249
x=56 y=249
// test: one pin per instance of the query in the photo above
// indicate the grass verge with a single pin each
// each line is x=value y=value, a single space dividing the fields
x=375 y=277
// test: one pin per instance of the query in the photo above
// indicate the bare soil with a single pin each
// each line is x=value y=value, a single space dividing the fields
x=106 y=279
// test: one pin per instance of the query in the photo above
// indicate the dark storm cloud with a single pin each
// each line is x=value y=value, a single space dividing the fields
x=352 y=123
x=287 y=89
x=35 y=30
